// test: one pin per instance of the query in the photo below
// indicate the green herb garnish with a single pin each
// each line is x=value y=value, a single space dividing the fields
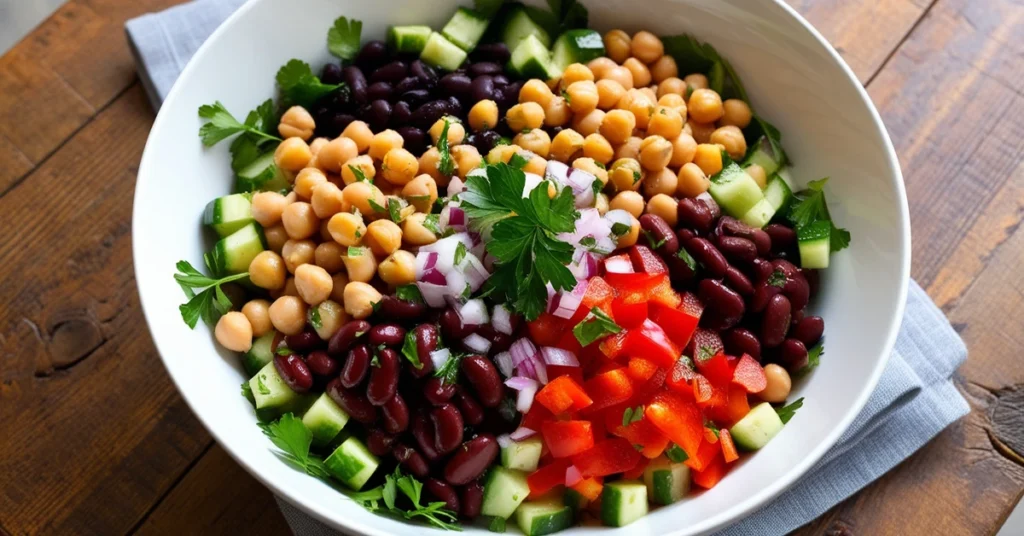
x=631 y=415
x=446 y=165
x=449 y=372
x=210 y=303
x=688 y=259
x=343 y=38
x=676 y=454
x=410 y=293
x=299 y=86
x=314 y=318
x=357 y=172
x=293 y=438
x=497 y=524
x=786 y=412
x=813 y=359
x=434 y=513
x=410 y=350
x=596 y=325
x=222 y=125
x=460 y=253
x=809 y=207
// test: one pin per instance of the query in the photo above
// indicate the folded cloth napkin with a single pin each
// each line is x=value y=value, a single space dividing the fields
x=915 y=398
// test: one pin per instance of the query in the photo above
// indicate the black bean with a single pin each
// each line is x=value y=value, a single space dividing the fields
x=415 y=139
x=501 y=80
x=507 y=96
x=331 y=74
x=454 y=107
x=484 y=67
x=482 y=88
x=493 y=52
x=354 y=79
x=426 y=115
x=378 y=114
x=455 y=85
x=379 y=90
x=340 y=121
x=392 y=72
x=415 y=97
x=409 y=83
x=423 y=71
x=401 y=113
x=372 y=54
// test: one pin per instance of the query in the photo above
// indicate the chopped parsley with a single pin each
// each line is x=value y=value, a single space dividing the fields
x=433 y=223
x=411 y=351
x=293 y=438
x=260 y=386
x=357 y=172
x=460 y=253
x=355 y=251
x=434 y=513
x=596 y=325
x=222 y=124
x=809 y=207
x=632 y=415
x=210 y=303
x=777 y=279
x=314 y=318
x=813 y=359
x=619 y=229
x=786 y=412
x=449 y=372
x=410 y=293
x=446 y=165
x=676 y=454
x=687 y=258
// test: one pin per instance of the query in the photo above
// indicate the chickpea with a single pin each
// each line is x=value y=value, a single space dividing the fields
x=484 y=114
x=779 y=384
x=566 y=145
x=757 y=173
x=313 y=283
x=557 y=112
x=705 y=106
x=267 y=270
x=598 y=66
x=694 y=82
x=618 y=45
x=358 y=195
x=641 y=74
x=671 y=86
x=655 y=153
x=609 y=92
x=664 y=69
x=630 y=201
x=617 y=126
x=646 y=47
x=684 y=147
x=601 y=203
x=537 y=165
x=429 y=161
x=709 y=158
x=234 y=332
x=730 y=137
x=347 y=229
x=267 y=208
x=621 y=75
x=598 y=148
x=327 y=255
x=666 y=122
x=316 y=145
x=660 y=182
x=399 y=166
x=383 y=142
x=700 y=131
x=456 y=132
x=642 y=108
x=523 y=116
x=258 y=314
x=592 y=167
x=337 y=152
x=292 y=154
x=650 y=92
x=415 y=233
x=589 y=123
x=362 y=163
x=467 y=158
x=398 y=269
x=630 y=237
x=296 y=123
x=630 y=149
x=534 y=90
x=276 y=237
x=360 y=133
x=581 y=96
x=332 y=317
x=306 y=180
x=736 y=113
x=359 y=299
x=625 y=174
x=383 y=237
x=339 y=281
x=297 y=252
x=421 y=192
x=692 y=181
x=327 y=200
x=325 y=231
x=288 y=314
x=299 y=220
x=536 y=141
x=502 y=153
x=289 y=288
x=675 y=102
x=360 y=264
x=665 y=206
x=576 y=72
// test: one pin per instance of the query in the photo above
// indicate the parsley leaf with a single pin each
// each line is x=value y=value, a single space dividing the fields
x=596 y=325
x=293 y=438
x=777 y=279
x=357 y=172
x=676 y=454
x=283 y=350
x=687 y=258
x=376 y=206
x=247 y=391
x=433 y=223
x=410 y=350
x=343 y=38
x=354 y=251
x=245 y=149
x=410 y=293
x=809 y=207
x=650 y=239
x=446 y=166
x=260 y=386
x=619 y=228
x=449 y=372
x=497 y=524
x=222 y=125
x=434 y=513
x=395 y=207
x=786 y=412
x=631 y=415
x=210 y=302
x=314 y=318
x=460 y=253
x=299 y=86
x=813 y=359
x=588 y=242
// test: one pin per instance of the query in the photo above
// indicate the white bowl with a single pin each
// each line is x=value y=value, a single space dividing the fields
x=795 y=79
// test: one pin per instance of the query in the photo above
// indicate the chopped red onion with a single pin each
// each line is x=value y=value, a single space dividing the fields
x=473 y=313
x=618 y=216
x=456 y=285
x=584 y=265
x=504 y=440
x=527 y=369
x=433 y=294
x=452 y=217
x=522 y=350
x=582 y=184
x=557 y=172
x=540 y=369
x=558 y=356
x=425 y=261
x=573 y=475
x=522 y=433
x=504 y=362
x=501 y=319
x=565 y=304
x=527 y=389
x=477 y=343
x=475 y=272
x=440 y=357
x=618 y=265
x=456 y=186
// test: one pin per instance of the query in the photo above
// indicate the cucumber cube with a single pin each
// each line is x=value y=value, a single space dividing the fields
x=269 y=390
x=260 y=354
x=779 y=191
x=325 y=419
x=759 y=215
x=531 y=59
x=666 y=482
x=232 y=254
x=262 y=175
x=539 y=518
x=504 y=490
x=408 y=39
x=814 y=243
x=465 y=28
x=228 y=214
x=757 y=427
x=519 y=26
x=764 y=155
x=735 y=191
x=351 y=463
x=522 y=455
x=442 y=53
x=576 y=46
x=623 y=502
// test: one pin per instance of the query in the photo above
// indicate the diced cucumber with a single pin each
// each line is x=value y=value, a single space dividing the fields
x=260 y=354
x=759 y=215
x=522 y=455
x=537 y=518
x=408 y=39
x=779 y=190
x=532 y=59
x=814 y=242
x=573 y=499
x=325 y=419
x=576 y=46
x=504 y=490
x=757 y=427
x=442 y=53
x=519 y=26
x=623 y=502
x=352 y=463
x=735 y=191
x=270 y=392
x=666 y=482
x=228 y=214
x=465 y=28
x=233 y=253
x=763 y=154
x=262 y=175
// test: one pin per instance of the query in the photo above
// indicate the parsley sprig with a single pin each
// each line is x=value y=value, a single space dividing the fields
x=809 y=207
x=446 y=165
x=293 y=438
x=210 y=302
x=434 y=513
x=597 y=324
x=786 y=412
x=343 y=38
x=299 y=86
x=813 y=359
x=222 y=124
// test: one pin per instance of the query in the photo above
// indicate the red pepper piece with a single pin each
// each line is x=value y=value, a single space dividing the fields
x=568 y=341
x=629 y=315
x=547 y=477
x=566 y=438
x=705 y=454
x=728 y=447
x=607 y=457
x=749 y=374
x=646 y=261
x=664 y=294
x=613 y=345
x=683 y=372
x=640 y=369
x=736 y=407
x=678 y=323
x=599 y=294
x=708 y=395
x=704 y=341
x=712 y=473
x=536 y=417
x=608 y=388
x=546 y=329
x=645 y=434
x=715 y=368
x=563 y=394
x=590 y=487
x=651 y=342
x=637 y=470
x=576 y=373
x=678 y=419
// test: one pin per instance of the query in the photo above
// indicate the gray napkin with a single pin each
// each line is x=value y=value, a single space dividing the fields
x=915 y=398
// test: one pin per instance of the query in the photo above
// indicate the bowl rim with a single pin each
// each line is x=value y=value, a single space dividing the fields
x=728 y=517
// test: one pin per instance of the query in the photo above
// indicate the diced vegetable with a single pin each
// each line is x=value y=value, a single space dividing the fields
x=465 y=28
x=325 y=419
x=577 y=46
x=623 y=502
x=757 y=428
x=408 y=39
x=232 y=254
x=563 y=394
x=532 y=59
x=567 y=438
x=504 y=490
x=763 y=154
x=543 y=517
x=779 y=191
x=262 y=175
x=522 y=455
x=666 y=482
x=261 y=353
x=228 y=214
x=759 y=215
x=442 y=53
x=814 y=244
x=735 y=191
x=607 y=457
x=519 y=26
x=351 y=463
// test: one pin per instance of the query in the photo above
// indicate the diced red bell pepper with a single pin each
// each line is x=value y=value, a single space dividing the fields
x=664 y=294
x=629 y=315
x=705 y=454
x=644 y=390
x=546 y=329
x=683 y=372
x=536 y=417
x=637 y=470
x=736 y=407
x=547 y=477
x=590 y=488
x=678 y=323
x=710 y=436
x=608 y=388
x=715 y=368
x=728 y=447
x=680 y=420
x=704 y=341
x=640 y=369
x=707 y=394
x=618 y=264
x=569 y=342
x=613 y=345
x=645 y=260
x=566 y=438
x=576 y=373
x=645 y=434
x=749 y=374
x=563 y=394
x=599 y=294
x=712 y=473
x=607 y=457
x=651 y=342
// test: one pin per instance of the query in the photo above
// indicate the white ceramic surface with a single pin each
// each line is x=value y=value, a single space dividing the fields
x=796 y=80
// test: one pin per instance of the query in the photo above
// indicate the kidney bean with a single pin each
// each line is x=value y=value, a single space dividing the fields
x=737 y=249
x=423 y=71
x=356 y=367
x=723 y=307
x=708 y=201
x=787 y=268
x=346 y=335
x=355 y=404
x=302 y=342
x=455 y=85
x=437 y=392
x=447 y=428
x=708 y=256
x=782 y=237
x=378 y=442
x=739 y=341
x=321 y=364
x=392 y=72
x=379 y=90
x=499 y=341
x=793 y=354
x=378 y=114
x=396 y=415
x=661 y=232
x=484 y=377
x=338 y=122
x=372 y=54
x=356 y=83
x=294 y=372
x=797 y=290
x=401 y=113
x=482 y=88
x=428 y=114
x=813 y=280
x=411 y=460
x=471 y=497
x=495 y=52
x=694 y=215
x=387 y=334
x=423 y=433
x=679 y=270
x=472 y=412
x=761 y=269
x=409 y=83
x=471 y=459
x=685 y=234
x=452 y=327
x=763 y=293
x=808 y=330
x=762 y=241
x=331 y=74
x=735 y=280
x=727 y=225
x=775 y=323
x=442 y=492
x=484 y=67
x=383 y=377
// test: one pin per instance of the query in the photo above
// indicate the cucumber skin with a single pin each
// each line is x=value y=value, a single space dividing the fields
x=735 y=191
x=518 y=25
x=442 y=53
x=349 y=463
x=259 y=355
x=223 y=262
x=814 y=244
x=751 y=432
x=542 y=523
x=408 y=44
x=325 y=419
x=615 y=495
x=462 y=22
x=576 y=46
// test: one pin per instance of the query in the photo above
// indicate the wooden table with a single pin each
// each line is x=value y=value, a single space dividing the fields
x=95 y=439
